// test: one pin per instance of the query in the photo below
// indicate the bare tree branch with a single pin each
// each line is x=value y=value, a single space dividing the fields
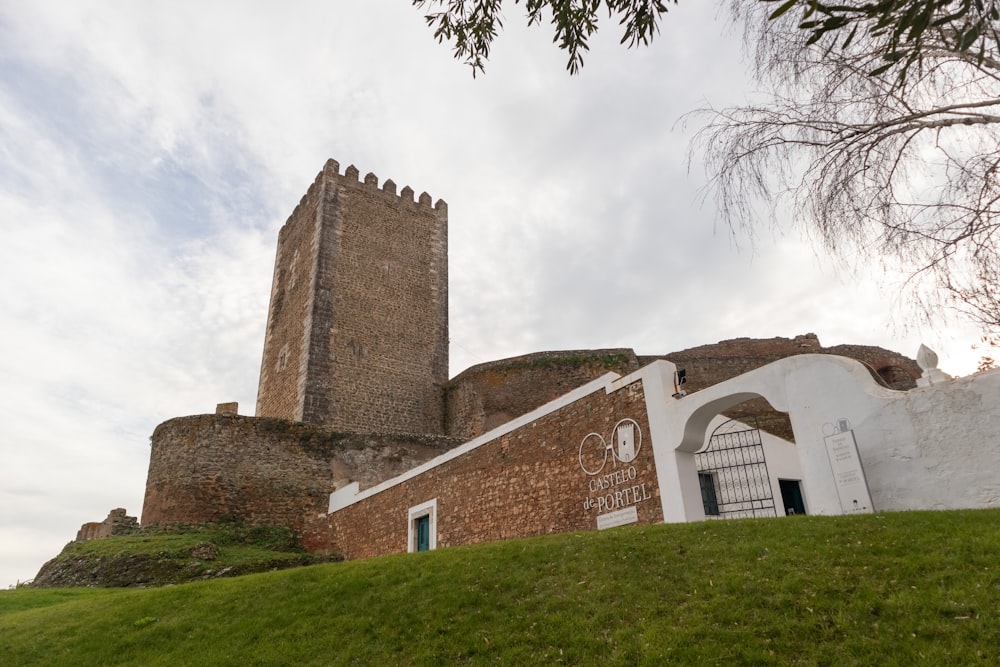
x=901 y=171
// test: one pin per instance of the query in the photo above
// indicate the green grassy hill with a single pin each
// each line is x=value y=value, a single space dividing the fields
x=892 y=589
x=176 y=554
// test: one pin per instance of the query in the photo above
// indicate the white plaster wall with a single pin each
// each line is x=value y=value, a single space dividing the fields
x=815 y=390
x=935 y=447
x=946 y=452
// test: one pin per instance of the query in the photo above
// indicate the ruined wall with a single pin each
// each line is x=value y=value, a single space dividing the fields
x=265 y=471
x=707 y=365
x=488 y=395
x=526 y=482
x=357 y=332
x=117 y=523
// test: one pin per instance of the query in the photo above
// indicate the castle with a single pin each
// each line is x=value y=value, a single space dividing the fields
x=363 y=445
x=357 y=328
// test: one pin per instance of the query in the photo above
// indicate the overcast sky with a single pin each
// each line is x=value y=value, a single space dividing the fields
x=151 y=150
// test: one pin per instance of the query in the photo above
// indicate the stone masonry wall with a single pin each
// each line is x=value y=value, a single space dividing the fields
x=524 y=483
x=265 y=471
x=286 y=341
x=488 y=395
x=373 y=316
x=707 y=365
x=117 y=523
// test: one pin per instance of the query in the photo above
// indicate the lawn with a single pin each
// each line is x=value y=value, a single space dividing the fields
x=888 y=589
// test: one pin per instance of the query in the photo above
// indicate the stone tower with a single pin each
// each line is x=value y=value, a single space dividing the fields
x=357 y=328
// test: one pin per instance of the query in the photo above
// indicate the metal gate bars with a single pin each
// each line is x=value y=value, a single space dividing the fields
x=733 y=474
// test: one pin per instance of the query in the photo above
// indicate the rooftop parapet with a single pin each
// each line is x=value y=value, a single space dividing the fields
x=331 y=172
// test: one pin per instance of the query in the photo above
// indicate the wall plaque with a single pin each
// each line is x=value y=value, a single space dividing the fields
x=848 y=475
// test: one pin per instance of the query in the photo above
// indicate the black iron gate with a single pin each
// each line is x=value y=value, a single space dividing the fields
x=733 y=474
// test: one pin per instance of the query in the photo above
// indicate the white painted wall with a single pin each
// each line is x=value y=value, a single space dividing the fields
x=941 y=447
x=934 y=447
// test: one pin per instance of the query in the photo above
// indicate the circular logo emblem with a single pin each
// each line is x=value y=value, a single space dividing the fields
x=626 y=440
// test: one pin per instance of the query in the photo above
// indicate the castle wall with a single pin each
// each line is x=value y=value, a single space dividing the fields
x=286 y=341
x=708 y=365
x=265 y=471
x=526 y=480
x=116 y=523
x=357 y=334
x=711 y=364
x=488 y=395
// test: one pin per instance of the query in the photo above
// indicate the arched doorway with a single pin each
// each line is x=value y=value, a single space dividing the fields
x=732 y=473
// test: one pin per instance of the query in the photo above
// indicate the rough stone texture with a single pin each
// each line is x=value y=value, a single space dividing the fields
x=125 y=569
x=205 y=551
x=526 y=482
x=117 y=523
x=265 y=471
x=488 y=395
x=708 y=365
x=357 y=331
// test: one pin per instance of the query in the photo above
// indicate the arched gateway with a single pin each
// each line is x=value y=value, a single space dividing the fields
x=832 y=403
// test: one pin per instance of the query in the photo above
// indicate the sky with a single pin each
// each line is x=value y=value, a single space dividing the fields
x=151 y=151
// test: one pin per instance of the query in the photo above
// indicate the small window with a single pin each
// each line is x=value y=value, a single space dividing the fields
x=422 y=527
x=709 y=498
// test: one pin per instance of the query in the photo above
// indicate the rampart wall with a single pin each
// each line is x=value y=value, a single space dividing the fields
x=261 y=470
x=488 y=395
x=708 y=365
x=526 y=482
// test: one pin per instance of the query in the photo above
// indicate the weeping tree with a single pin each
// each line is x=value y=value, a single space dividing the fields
x=472 y=25
x=877 y=130
x=879 y=134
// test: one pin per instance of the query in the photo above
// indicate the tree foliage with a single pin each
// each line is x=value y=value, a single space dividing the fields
x=472 y=25
x=902 y=32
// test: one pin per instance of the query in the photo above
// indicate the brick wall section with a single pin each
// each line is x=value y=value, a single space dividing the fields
x=491 y=394
x=527 y=482
x=265 y=471
x=357 y=335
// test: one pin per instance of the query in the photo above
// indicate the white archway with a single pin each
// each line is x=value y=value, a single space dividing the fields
x=816 y=391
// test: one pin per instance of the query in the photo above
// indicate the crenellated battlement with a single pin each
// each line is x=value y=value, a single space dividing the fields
x=351 y=176
x=337 y=318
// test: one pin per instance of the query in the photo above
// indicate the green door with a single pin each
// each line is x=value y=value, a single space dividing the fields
x=424 y=533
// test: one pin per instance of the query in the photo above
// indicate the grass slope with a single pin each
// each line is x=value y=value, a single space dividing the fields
x=174 y=555
x=893 y=589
